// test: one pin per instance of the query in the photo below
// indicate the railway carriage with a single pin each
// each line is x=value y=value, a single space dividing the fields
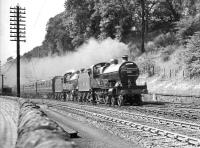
x=29 y=89
x=52 y=88
x=45 y=88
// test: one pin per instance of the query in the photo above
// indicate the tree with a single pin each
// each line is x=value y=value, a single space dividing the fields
x=78 y=22
x=143 y=25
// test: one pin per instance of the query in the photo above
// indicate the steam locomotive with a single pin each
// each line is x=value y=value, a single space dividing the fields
x=112 y=83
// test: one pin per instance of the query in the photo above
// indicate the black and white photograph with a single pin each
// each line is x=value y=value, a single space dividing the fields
x=99 y=73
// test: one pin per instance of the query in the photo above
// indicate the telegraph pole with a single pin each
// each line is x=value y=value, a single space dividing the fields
x=17 y=30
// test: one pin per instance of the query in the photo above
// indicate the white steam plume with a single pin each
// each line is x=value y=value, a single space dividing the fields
x=88 y=54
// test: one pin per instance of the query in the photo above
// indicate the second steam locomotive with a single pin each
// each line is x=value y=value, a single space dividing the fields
x=111 y=83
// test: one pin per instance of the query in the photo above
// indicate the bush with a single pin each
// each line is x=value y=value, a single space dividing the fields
x=150 y=47
x=165 y=54
x=165 y=57
x=164 y=40
x=192 y=55
x=146 y=66
x=186 y=28
x=134 y=50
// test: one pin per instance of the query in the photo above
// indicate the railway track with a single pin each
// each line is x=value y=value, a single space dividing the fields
x=170 y=111
x=181 y=113
x=187 y=133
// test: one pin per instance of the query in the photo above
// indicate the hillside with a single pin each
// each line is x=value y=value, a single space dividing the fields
x=171 y=29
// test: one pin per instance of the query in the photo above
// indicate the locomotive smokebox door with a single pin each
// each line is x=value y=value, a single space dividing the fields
x=128 y=74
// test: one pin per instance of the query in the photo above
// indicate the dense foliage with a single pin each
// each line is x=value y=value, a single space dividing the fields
x=192 y=55
x=167 y=23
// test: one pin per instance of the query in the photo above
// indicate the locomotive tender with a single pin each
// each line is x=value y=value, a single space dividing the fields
x=109 y=83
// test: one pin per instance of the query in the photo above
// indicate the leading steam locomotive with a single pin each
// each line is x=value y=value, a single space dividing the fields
x=112 y=83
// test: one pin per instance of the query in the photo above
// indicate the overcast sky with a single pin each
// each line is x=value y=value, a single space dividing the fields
x=38 y=13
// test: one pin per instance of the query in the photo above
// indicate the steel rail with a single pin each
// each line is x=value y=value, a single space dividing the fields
x=169 y=134
x=149 y=117
x=172 y=112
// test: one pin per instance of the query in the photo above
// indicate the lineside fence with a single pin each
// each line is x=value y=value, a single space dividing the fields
x=165 y=73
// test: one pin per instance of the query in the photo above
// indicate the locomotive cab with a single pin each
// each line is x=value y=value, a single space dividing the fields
x=98 y=68
x=67 y=75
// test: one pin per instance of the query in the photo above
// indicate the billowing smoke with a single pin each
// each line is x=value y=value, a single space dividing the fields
x=88 y=54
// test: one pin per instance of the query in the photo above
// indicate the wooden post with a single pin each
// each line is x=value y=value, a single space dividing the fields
x=16 y=29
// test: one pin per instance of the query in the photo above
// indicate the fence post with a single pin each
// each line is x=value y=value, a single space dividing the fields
x=164 y=72
x=153 y=69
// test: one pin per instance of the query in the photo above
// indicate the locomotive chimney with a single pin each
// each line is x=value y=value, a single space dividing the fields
x=125 y=58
